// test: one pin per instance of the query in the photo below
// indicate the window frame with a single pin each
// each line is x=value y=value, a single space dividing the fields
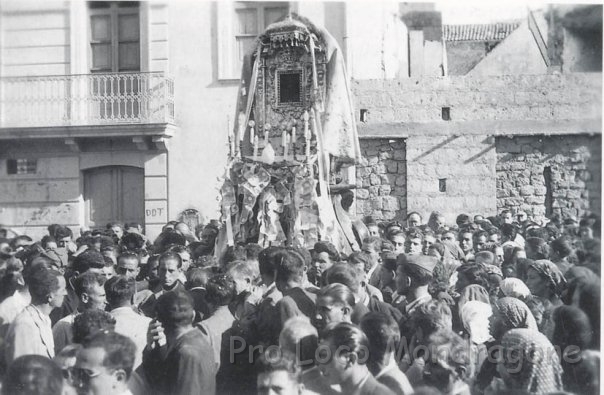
x=114 y=11
x=229 y=67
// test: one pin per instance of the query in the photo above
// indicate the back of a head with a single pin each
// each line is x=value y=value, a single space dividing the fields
x=457 y=351
x=120 y=351
x=363 y=258
x=484 y=258
x=41 y=283
x=243 y=270
x=220 y=290
x=299 y=336
x=351 y=338
x=120 y=290
x=33 y=375
x=572 y=327
x=562 y=246
x=89 y=259
x=475 y=274
x=382 y=332
x=170 y=238
x=175 y=310
x=132 y=241
x=509 y=231
x=266 y=260
x=197 y=277
x=432 y=316
x=90 y=322
x=290 y=266
x=346 y=275
x=61 y=232
x=463 y=220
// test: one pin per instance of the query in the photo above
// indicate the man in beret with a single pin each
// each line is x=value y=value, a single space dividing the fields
x=413 y=275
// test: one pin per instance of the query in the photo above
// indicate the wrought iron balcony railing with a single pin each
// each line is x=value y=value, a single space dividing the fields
x=86 y=99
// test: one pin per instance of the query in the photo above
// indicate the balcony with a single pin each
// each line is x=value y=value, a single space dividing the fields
x=86 y=100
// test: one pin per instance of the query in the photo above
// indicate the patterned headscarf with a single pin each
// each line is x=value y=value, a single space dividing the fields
x=531 y=362
x=515 y=314
x=514 y=287
x=551 y=273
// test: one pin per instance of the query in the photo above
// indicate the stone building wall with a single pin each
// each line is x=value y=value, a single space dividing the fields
x=571 y=186
x=382 y=179
x=464 y=147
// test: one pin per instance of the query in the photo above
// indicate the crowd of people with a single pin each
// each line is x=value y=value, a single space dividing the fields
x=496 y=305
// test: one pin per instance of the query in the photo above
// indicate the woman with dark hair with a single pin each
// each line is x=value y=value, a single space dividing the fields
x=573 y=334
x=343 y=355
x=33 y=375
x=587 y=298
x=220 y=292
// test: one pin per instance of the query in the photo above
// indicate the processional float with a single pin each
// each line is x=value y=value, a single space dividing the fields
x=293 y=130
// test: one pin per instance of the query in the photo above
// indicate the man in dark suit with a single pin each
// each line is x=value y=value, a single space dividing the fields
x=170 y=271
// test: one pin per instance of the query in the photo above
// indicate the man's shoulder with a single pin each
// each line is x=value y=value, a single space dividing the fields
x=64 y=323
x=191 y=343
x=374 y=387
x=24 y=318
x=397 y=381
x=128 y=314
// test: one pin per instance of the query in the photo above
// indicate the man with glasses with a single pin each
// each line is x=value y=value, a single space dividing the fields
x=103 y=365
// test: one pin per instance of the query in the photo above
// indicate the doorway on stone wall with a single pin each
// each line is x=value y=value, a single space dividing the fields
x=114 y=193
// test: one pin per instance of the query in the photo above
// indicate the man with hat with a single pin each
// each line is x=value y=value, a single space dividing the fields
x=413 y=275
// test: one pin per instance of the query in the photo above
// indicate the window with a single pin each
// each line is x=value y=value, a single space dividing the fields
x=239 y=25
x=115 y=47
x=114 y=36
x=21 y=166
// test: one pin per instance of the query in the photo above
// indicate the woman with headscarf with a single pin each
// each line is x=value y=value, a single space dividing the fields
x=546 y=281
x=528 y=364
x=475 y=319
x=508 y=313
x=471 y=292
x=514 y=288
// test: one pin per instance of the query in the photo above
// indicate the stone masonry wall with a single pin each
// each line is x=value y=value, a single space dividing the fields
x=470 y=150
x=576 y=177
x=381 y=179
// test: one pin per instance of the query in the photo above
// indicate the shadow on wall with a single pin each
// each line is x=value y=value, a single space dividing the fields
x=436 y=147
